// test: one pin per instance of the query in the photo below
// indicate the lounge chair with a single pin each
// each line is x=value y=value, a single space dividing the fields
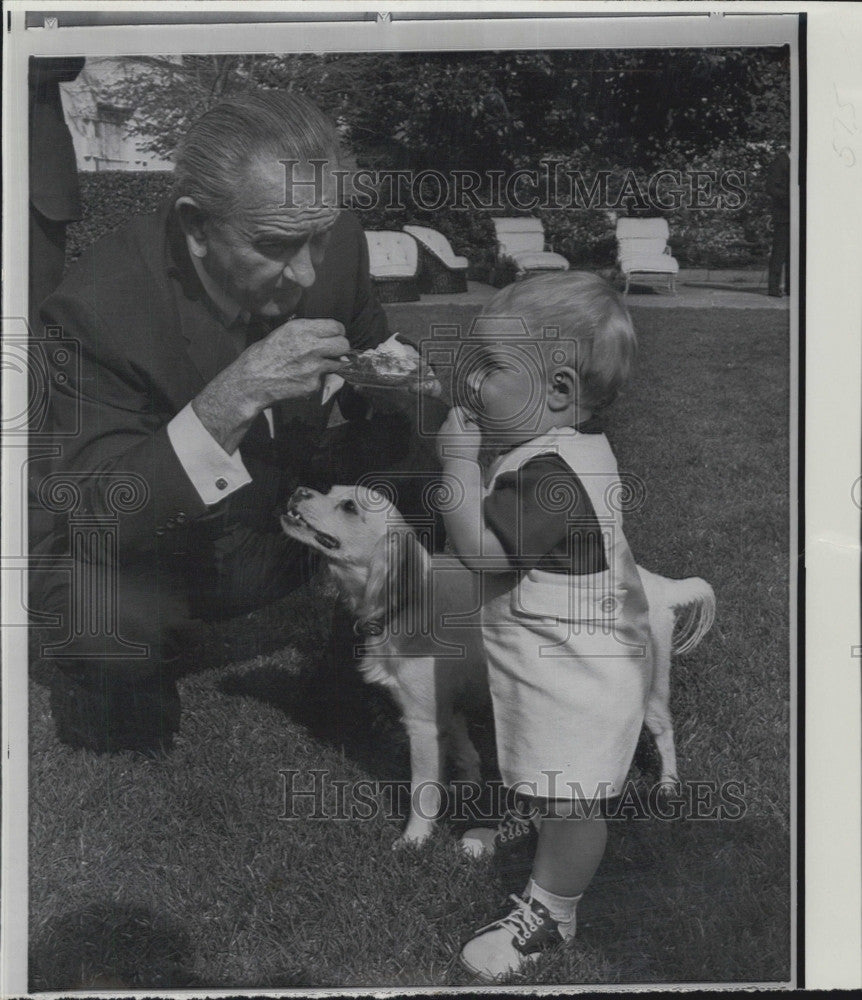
x=523 y=240
x=642 y=249
x=440 y=269
x=394 y=264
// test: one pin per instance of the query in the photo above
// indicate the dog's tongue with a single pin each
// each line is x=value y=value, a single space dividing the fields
x=327 y=541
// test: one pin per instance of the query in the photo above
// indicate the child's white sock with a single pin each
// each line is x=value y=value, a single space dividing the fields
x=562 y=908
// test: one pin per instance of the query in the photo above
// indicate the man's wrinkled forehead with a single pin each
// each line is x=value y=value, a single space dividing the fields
x=305 y=192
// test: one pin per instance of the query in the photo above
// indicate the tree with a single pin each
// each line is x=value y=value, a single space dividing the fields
x=166 y=94
x=491 y=110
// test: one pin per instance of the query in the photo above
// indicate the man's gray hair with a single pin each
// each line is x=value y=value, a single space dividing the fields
x=212 y=159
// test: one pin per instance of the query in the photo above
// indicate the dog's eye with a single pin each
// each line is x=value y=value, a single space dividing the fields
x=349 y=506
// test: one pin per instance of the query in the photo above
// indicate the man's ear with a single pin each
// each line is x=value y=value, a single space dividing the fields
x=563 y=388
x=192 y=219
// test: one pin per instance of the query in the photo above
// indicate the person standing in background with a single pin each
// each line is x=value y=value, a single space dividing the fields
x=55 y=197
x=778 y=189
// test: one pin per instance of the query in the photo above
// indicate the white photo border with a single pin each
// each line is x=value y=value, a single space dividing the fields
x=832 y=305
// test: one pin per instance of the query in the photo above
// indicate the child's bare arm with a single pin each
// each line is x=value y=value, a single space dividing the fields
x=477 y=547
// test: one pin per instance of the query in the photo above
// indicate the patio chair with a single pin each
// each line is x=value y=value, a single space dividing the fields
x=523 y=240
x=642 y=249
x=394 y=262
x=440 y=269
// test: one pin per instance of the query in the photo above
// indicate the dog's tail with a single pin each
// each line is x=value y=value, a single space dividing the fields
x=693 y=603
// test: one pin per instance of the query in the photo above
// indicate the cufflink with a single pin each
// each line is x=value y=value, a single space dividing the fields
x=221 y=483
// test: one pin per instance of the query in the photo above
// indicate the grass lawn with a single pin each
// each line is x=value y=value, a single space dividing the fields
x=179 y=873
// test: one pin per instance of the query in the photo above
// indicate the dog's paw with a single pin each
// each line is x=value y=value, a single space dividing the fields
x=478 y=843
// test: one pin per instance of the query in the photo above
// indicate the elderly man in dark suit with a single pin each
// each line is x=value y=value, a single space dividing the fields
x=206 y=333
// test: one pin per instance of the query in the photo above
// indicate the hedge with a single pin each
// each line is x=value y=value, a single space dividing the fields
x=584 y=236
x=109 y=200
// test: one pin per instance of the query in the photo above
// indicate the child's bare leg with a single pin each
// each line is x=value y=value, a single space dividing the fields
x=569 y=851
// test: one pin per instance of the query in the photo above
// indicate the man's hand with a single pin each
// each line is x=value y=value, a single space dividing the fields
x=459 y=437
x=287 y=364
x=292 y=360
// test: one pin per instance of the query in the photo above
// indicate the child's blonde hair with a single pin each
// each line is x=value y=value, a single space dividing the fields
x=583 y=308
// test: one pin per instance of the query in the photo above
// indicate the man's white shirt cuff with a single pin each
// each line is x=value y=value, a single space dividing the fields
x=214 y=473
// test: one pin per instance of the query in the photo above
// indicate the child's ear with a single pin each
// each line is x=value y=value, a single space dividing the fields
x=563 y=389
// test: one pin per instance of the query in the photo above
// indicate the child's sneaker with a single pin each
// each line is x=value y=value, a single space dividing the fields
x=513 y=829
x=510 y=943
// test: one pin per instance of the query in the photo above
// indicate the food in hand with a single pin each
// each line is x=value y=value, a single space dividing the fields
x=390 y=364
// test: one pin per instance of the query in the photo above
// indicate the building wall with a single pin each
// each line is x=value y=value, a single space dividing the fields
x=98 y=130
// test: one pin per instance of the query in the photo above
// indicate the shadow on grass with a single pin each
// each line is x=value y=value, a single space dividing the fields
x=340 y=710
x=361 y=721
x=109 y=946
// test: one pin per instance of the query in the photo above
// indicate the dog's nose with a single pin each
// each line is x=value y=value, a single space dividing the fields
x=301 y=493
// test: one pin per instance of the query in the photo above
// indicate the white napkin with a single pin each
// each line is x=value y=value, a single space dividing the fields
x=331 y=384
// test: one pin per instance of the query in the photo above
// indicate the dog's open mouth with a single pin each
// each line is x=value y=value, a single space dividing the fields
x=293 y=519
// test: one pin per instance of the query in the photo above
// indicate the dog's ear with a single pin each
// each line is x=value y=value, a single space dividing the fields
x=398 y=588
x=372 y=605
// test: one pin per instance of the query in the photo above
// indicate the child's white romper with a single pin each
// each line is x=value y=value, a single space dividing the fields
x=568 y=655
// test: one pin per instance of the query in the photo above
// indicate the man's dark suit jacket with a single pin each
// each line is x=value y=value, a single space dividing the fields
x=149 y=341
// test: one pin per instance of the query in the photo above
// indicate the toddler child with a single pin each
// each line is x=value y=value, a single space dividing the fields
x=564 y=616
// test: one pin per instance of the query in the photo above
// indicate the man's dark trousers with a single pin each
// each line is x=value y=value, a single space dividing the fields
x=111 y=702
